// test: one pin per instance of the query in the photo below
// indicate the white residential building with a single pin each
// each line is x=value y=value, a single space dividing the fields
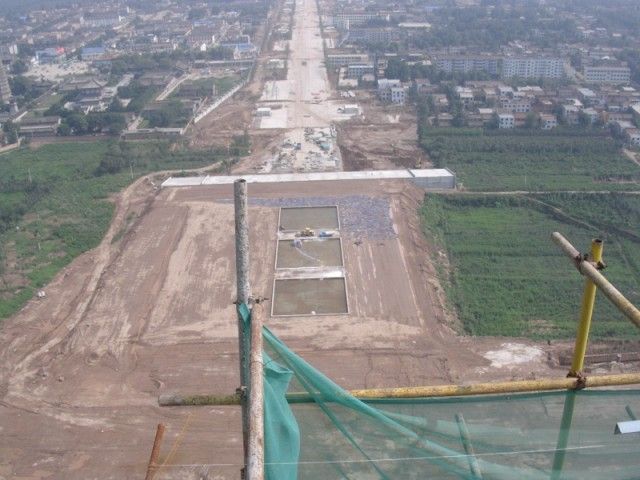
x=392 y=90
x=532 y=67
x=398 y=95
x=616 y=74
x=633 y=136
x=516 y=105
x=458 y=64
x=346 y=20
x=548 y=122
x=357 y=70
x=506 y=120
x=465 y=95
x=571 y=114
x=343 y=59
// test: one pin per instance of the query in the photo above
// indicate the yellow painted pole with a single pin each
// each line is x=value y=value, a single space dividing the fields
x=520 y=386
x=586 y=312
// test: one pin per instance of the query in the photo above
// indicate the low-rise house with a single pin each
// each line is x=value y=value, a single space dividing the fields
x=516 y=105
x=592 y=114
x=39 y=126
x=90 y=54
x=548 y=122
x=506 y=120
x=635 y=112
x=632 y=136
x=465 y=95
x=571 y=114
x=50 y=55
x=84 y=86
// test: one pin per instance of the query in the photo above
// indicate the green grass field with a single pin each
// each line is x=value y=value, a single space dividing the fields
x=53 y=205
x=506 y=277
x=522 y=160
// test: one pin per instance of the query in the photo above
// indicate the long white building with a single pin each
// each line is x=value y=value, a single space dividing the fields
x=618 y=74
x=532 y=67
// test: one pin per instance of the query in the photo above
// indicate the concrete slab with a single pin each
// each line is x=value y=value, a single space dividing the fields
x=441 y=173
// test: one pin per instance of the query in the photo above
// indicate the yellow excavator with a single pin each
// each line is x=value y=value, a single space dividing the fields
x=306 y=232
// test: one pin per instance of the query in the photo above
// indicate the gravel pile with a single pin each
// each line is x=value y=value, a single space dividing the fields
x=360 y=216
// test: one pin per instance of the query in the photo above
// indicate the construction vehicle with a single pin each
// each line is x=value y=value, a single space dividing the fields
x=306 y=232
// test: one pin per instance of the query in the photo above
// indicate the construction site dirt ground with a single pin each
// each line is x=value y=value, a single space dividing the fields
x=151 y=313
x=384 y=137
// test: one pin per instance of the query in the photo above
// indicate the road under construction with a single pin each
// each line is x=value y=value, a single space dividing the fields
x=150 y=312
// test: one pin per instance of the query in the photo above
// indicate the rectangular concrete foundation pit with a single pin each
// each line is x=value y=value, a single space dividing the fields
x=311 y=252
x=310 y=296
x=299 y=218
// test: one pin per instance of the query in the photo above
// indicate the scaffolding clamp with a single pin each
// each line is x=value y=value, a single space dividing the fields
x=581 y=380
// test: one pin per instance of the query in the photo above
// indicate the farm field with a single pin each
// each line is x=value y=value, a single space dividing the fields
x=54 y=204
x=497 y=161
x=504 y=276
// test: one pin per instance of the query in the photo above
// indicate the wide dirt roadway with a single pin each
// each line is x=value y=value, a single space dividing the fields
x=152 y=313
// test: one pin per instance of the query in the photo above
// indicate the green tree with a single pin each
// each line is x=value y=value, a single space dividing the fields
x=584 y=120
x=531 y=121
x=113 y=160
x=116 y=105
x=64 y=129
x=494 y=122
x=78 y=123
x=10 y=130
x=19 y=67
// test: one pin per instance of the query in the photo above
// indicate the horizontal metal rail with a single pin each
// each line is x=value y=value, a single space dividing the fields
x=545 y=384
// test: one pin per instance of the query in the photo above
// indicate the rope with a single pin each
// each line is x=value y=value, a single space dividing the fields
x=400 y=459
x=176 y=443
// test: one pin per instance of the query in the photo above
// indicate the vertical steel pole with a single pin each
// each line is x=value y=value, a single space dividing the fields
x=155 y=453
x=563 y=435
x=242 y=240
x=243 y=292
x=255 y=454
x=586 y=312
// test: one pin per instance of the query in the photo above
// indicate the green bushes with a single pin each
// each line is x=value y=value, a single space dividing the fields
x=506 y=277
x=531 y=162
x=54 y=203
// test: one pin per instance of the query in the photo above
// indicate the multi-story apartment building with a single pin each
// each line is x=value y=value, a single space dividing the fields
x=343 y=59
x=463 y=64
x=348 y=20
x=392 y=90
x=506 y=120
x=532 y=67
x=614 y=73
x=103 y=19
x=357 y=70
x=202 y=35
x=548 y=122
x=374 y=35
x=516 y=105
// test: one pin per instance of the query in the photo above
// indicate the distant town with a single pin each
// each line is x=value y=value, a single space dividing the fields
x=151 y=69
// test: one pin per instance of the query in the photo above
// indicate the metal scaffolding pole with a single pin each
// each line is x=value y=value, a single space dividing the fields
x=545 y=384
x=243 y=288
x=591 y=271
x=152 y=467
x=255 y=453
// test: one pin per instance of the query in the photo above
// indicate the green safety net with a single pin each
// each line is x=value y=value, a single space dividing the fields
x=332 y=435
